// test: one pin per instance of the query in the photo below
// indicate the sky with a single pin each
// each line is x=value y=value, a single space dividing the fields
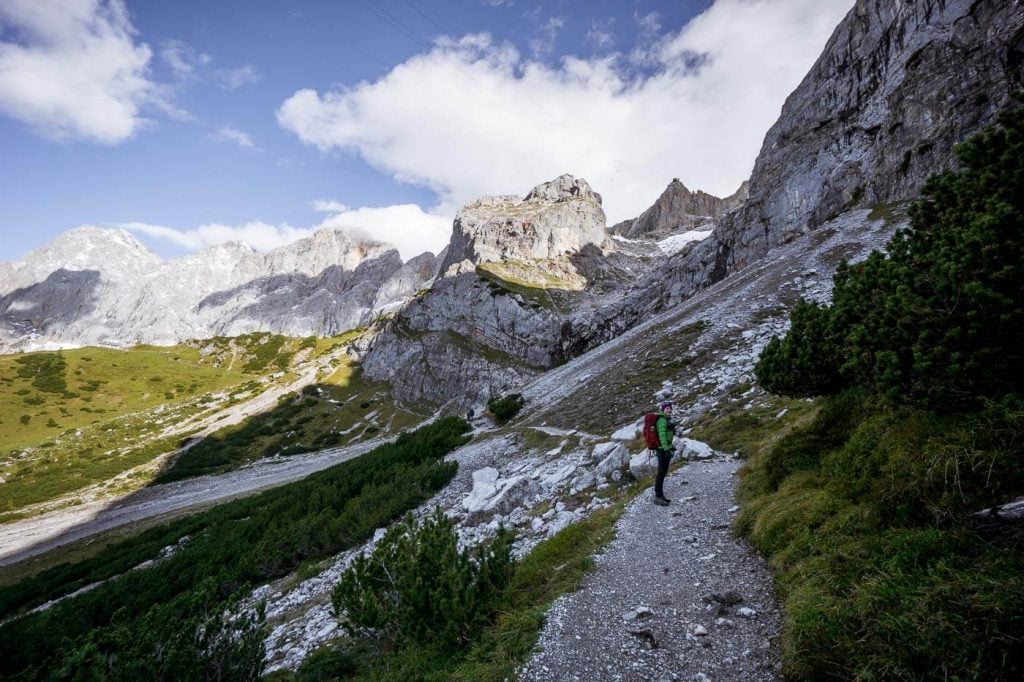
x=195 y=122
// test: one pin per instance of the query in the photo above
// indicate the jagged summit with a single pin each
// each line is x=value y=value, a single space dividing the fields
x=554 y=219
x=677 y=209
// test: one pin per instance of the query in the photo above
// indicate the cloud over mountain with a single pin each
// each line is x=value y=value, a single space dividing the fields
x=473 y=116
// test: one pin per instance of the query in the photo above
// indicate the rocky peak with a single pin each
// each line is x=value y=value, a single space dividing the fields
x=323 y=249
x=83 y=248
x=677 y=209
x=555 y=219
x=563 y=188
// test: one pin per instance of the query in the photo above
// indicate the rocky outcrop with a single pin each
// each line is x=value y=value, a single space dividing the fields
x=676 y=210
x=554 y=220
x=897 y=86
x=513 y=272
x=94 y=285
x=466 y=339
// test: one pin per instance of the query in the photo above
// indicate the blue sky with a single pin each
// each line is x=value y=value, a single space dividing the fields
x=194 y=122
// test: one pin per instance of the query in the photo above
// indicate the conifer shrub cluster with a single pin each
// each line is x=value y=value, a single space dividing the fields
x=870 y=512
x=418 y=587
x=506 y=407
x=159 y=623
x=936 y=320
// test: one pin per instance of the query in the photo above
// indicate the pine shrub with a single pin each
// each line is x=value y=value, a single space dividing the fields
x=506 y=407
x=936 y=321
x=418 y=587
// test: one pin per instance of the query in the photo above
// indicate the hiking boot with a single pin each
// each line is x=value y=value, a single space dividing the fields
x=661 y=501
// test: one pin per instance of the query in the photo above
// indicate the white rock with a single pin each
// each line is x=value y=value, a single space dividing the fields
x=700 y=631
x=485 y=475
x=615 y=460
x=643 y=465
x=628 y=432
x=601 y=450
x=584 y=482
x=696 y=449
x=561 y=521
x=638 y=612
x=746 y=612
x=559 y=475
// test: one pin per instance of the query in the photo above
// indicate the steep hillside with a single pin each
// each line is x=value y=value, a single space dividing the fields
x=94 y=423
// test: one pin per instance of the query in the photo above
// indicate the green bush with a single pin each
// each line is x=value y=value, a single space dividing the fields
x=418 y=587
x=506 y=407
x=46 y=370
x=234 y=545
x=935 y=321
x=804 y=363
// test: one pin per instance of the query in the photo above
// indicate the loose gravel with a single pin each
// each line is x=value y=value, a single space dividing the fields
x=674 y=597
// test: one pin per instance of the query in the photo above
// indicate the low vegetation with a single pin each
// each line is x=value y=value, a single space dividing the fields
x=507 y=626
x=341 y=410
x=506 y=407
x=147 y=622
x=78 y=418
x=871 y=512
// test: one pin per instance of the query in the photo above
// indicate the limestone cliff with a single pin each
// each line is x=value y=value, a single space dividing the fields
x=896 y=87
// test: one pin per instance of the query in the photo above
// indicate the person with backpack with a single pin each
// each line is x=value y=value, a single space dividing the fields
x=658 y=433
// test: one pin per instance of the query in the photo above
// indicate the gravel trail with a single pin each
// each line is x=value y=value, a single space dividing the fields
x=669 y=560
x=21 y=540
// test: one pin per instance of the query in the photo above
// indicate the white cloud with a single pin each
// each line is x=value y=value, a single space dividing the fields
x=328 y=206
x=407 y=226
x=72 y=69
x=229 y=134
x=232 y=79
x=259 y=235
x=182 y=59
x=600 y=35
x=411 y=230
x=472 y=117
x=547 y=33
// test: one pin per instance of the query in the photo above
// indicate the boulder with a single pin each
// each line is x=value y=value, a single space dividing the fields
x=493 y=495
x=584 y=482
x=617 y=458
x=628 y=432
x=695 y=449
x=601 y=450
x=643 y=465
x=561 y=521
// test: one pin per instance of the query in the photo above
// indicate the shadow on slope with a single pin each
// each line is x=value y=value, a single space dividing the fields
x=64 y=297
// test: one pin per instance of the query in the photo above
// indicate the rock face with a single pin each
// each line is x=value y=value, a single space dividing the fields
x=93 y=285
x=554 y=220
x=493 y=319
x=897 y=86
x=676 y=210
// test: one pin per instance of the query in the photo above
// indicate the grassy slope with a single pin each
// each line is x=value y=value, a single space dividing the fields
x=341 y=409
x=862 y=512
x=80 y=417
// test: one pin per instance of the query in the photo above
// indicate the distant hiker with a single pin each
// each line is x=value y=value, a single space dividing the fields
x=658 y=432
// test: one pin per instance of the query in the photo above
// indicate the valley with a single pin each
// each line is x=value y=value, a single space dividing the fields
x=436 y=469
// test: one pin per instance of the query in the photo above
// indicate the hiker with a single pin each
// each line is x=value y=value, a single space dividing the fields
x=658 y=432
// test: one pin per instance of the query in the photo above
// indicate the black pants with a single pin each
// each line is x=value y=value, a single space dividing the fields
x=659 y=480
